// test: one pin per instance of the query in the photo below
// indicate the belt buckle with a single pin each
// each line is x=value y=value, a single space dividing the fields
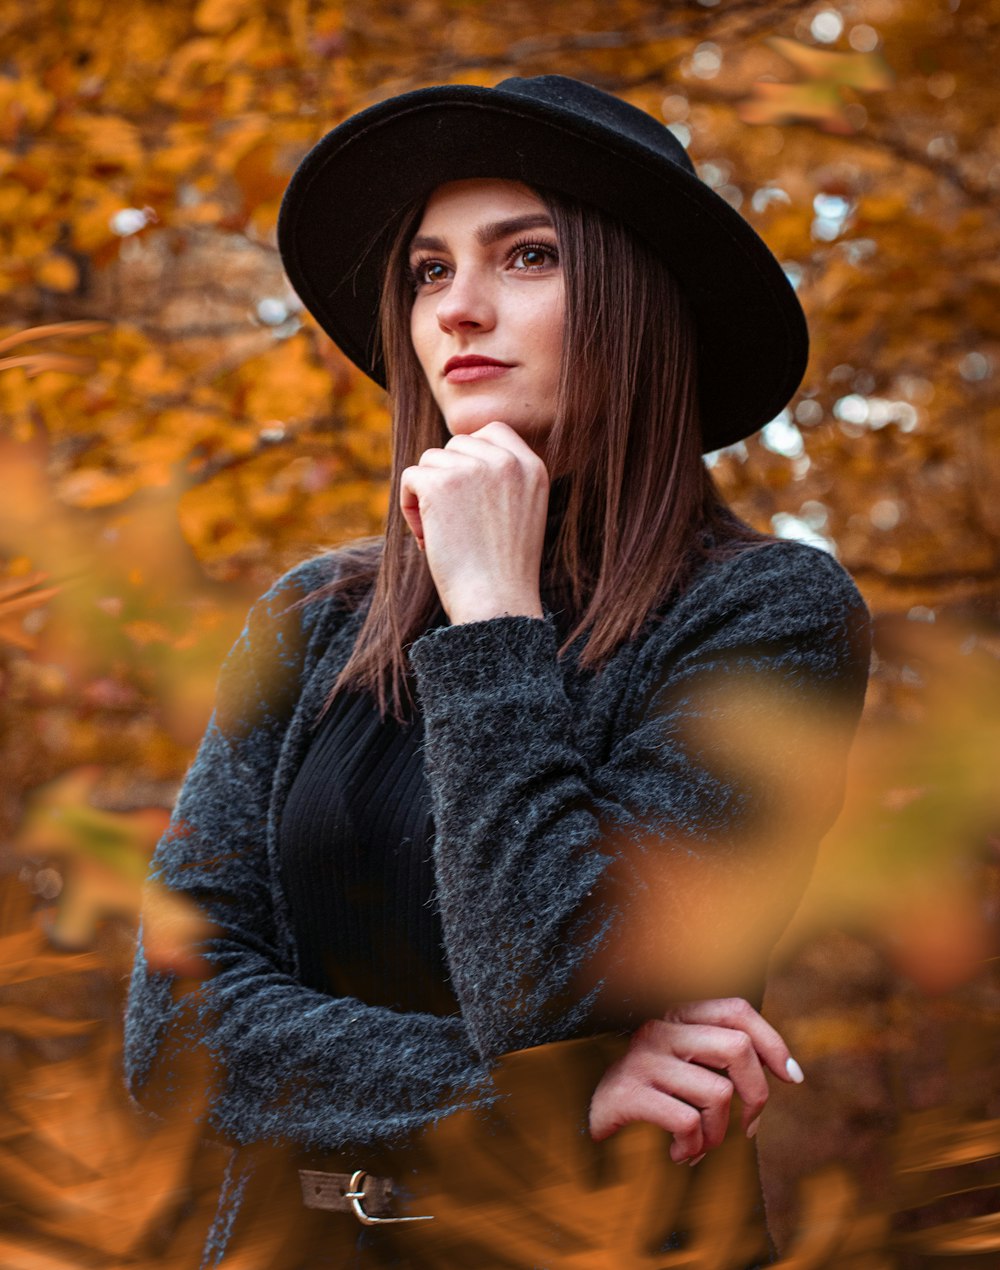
x=356 y=1195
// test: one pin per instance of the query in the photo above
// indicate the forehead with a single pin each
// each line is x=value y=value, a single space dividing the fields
x=474 y=202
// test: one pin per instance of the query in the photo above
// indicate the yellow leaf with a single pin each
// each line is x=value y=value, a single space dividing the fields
x=32 y=242
x=151 y=374
x=200 y=214
x=220 y=15
x=815 y=101
x=182 y=156
x=90 y=225
x=867 y=72
x=11 y=198
x=57 y=273
x=109 y=141
x=90 y=487
x=285 y=383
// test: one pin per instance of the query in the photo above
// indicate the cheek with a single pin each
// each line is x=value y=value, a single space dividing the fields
x=550 y=337
x=420 y=335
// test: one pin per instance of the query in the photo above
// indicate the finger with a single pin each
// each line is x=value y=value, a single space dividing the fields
x=734 y=1012
x=478 y=447
x=708 y=1091
x=615 y=1106
x=514 y=460
x=432 y=475
x=446 y=458
x=502 y=434
x=409 y=503
x=723 y=1048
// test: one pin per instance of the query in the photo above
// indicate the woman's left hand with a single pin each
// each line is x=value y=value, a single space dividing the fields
x=478 y=507
x=681 y=1071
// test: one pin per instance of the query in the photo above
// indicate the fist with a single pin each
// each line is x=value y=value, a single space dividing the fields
x=477 y=508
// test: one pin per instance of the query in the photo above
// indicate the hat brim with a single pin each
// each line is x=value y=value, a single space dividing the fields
x=343 y=204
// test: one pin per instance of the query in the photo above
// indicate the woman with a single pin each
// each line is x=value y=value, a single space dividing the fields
x=498 y=817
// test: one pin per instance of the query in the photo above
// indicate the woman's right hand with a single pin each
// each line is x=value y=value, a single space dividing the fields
x=478 y=507
x=680 y=1072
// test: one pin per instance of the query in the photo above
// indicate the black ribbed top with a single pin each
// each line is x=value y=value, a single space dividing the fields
x=355 y=848
x=356 y=864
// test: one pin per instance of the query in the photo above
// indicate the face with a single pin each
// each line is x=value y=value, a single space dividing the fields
x=487 y=315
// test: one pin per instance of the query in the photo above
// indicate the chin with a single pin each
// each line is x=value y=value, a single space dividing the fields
x=464 y=422
x=470 y=416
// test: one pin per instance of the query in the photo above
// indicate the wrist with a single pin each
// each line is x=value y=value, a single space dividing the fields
x=466 y=613
x=482 y=604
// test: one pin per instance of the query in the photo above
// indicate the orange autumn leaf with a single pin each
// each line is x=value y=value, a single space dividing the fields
x=18 y=598
x=57 y=273
x=866 y=72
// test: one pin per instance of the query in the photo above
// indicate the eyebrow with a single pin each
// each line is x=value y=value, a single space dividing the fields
x=489 y=233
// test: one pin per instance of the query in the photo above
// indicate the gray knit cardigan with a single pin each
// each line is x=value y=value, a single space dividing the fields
x=544 y=777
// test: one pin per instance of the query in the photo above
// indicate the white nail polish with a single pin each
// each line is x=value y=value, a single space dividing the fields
x=697 y=1159
x=752 y=1128
x=794 y=1071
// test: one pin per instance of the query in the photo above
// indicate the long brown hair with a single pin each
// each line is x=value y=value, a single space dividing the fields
x=640 y=507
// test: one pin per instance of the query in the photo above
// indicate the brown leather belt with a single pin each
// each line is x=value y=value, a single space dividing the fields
x=368 y=1198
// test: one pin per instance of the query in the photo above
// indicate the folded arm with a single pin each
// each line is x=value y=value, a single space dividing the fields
x=579 y=894
x=250 y=1049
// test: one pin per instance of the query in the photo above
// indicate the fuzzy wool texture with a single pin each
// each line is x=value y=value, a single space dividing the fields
x=553 y=788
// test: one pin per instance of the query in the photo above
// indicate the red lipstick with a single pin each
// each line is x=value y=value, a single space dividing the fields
x=468 y=369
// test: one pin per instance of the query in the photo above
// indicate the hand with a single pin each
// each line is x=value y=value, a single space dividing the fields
x=478 y=507
x=672 y=1075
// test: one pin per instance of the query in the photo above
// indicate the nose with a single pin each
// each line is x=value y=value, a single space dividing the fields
x=466 y=304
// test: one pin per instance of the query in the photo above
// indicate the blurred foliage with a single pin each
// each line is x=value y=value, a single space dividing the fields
x=174 y=429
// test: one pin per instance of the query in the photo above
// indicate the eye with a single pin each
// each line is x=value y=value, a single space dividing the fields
x=530 y=257
x=426 y=272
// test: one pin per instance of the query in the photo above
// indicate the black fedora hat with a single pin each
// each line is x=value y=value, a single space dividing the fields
x=344 y=201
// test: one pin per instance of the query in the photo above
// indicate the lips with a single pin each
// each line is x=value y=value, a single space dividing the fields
x=461 y=370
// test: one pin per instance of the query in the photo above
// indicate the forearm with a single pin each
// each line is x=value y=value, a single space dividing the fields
x=495 y=711
x=577 y=890
x=248 y=1048
x=258 y=1057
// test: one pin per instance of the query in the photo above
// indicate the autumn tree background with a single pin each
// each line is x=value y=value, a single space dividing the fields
x=176 y=431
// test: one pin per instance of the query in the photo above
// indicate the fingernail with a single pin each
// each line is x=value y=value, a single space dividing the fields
x=794 y=1071
x=753 y=1126
x=697 y=1159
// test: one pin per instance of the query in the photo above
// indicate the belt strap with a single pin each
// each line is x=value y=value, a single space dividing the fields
x=368 y=1198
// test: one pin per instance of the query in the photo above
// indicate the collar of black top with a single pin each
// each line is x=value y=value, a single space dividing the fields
x=344 y=201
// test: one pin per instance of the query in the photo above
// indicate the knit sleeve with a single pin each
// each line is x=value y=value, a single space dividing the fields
x=248 y=1049
x=578 y=893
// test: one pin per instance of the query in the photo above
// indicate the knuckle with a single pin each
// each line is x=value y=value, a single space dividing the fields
x=648 y=1035
x=688 y=1120
x=756 y=1104
x=742 y=1046
x=632 y=1089
x=621 y=1096
x=721 y=1090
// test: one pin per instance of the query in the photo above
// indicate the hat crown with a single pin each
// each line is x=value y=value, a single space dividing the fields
x=603 y=109
x=549 y=132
